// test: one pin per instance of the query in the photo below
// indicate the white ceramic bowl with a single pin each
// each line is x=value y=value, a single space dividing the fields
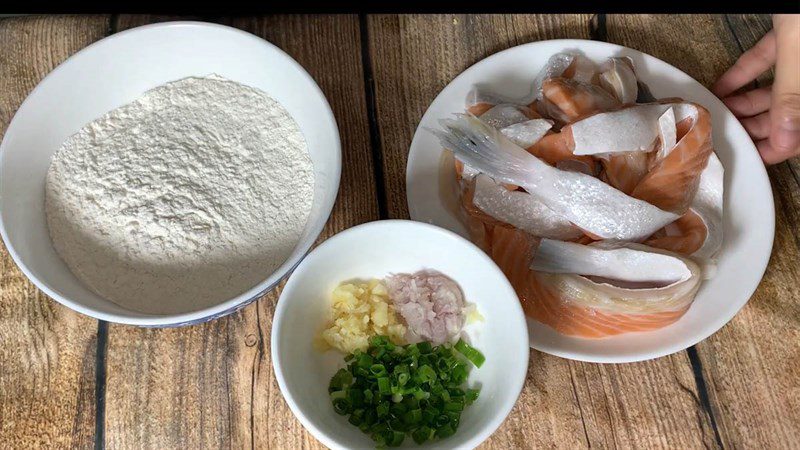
x=113 y=72
x=374 y=250
x=749 y=216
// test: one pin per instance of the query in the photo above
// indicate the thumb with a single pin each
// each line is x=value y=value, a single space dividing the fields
x=785 y=109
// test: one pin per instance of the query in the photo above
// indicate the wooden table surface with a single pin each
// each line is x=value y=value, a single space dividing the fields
x=70 y=381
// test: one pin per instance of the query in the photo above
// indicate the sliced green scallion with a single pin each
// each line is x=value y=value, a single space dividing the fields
x=389 y=391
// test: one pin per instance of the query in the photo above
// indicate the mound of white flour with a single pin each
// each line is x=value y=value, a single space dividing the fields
x=190 y=195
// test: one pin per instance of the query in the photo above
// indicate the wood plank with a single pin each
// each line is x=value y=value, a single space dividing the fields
x=564 y=404
x=47 y=352
x=415 y=56
x=752 y=365
x=212 y=385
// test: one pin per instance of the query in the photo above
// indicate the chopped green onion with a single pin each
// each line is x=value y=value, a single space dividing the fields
x=356 y=417
x=455 y=418
x=472 y=354
x=454 y=406
x=413 y=417
x=341 y=380
x=356 y=398
x=384 y=386
x=342 y=406
x=378 y=370
x=429 y=416
x=397 y=425
x=419 y=394
x=422 y=434
x=445 y=431
x=397 y=439
x=398 y=409
x=382 y=409
x=364 y=361
x=402 y=379
x=389 y=390
x=472 y=395
x=442 y=420
x=427 y=374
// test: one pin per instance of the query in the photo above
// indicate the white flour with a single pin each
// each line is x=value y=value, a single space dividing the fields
x=188 y=196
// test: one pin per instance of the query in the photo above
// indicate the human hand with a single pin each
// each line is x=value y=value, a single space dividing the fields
x=771 y=115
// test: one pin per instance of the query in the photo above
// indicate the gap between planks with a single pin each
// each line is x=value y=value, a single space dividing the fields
x=372 y=117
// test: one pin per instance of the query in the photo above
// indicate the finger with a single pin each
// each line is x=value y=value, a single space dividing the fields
x=758 y=127
x=785 y=109
x=748 y=67
x=749 y=103
x=768 y=154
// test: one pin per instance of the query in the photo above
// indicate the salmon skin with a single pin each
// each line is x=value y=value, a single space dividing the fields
x=600 y=203
x=558 y=300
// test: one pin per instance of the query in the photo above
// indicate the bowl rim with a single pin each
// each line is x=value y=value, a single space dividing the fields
x=229 y=305
x=513 y=386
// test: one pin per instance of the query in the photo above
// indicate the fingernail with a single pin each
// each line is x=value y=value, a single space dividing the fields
x=787 y=137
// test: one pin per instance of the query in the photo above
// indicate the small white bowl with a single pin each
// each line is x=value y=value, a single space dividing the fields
x=113 y=72
x=374 y=250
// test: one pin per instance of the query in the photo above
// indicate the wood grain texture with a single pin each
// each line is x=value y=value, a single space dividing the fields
x=564 y=404
x=47 y=352
x=415 y=56
x=212 y=385
x=752 y=365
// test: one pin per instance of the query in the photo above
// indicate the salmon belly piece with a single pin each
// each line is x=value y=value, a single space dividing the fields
x=512 y=251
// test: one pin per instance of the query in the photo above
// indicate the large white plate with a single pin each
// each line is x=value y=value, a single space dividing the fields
x=749 y=211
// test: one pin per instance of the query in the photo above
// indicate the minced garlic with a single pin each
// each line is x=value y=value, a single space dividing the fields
x=358 y=312
x=473 y=315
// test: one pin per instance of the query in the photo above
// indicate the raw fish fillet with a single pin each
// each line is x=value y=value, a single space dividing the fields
x=526 y=134
x=567 y=240
x=672 y=183
x=571 y=65
x=699 y=232
x=587 y=202
x=611 y=260
x=619 y=79
x=521 y=210
x=575 y=305
x=504 y=115
x=625 y=170
x=569 y=100
x=554 y=148
x=685 y=236
x=520 y=124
